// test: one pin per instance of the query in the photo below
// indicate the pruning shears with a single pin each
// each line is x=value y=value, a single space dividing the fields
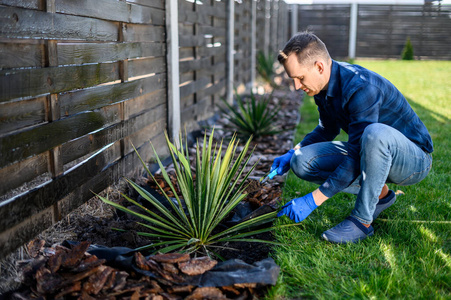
x=269 y=176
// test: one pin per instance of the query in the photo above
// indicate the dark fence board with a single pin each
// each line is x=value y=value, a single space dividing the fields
x=17 y=115
x=33 y=82
x=31 y=4
x=143 y=33
x=82 y=53
x=138 y=67
x=25 y=23
x=95 y=141
x=90 y=99
x=24 y=171
x=149 y=3
x=111 y=10
x=21 y=55
x=28 y=143
x=14 y=237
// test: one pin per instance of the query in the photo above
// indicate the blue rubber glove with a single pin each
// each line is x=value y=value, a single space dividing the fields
x=298 y=209
x=282 y=163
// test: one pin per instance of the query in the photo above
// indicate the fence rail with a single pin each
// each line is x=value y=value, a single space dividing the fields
x=81 y=81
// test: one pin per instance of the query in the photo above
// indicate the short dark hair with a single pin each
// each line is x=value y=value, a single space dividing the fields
x=307 y=46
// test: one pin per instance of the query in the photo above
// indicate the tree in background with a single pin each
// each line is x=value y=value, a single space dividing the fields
x=407 y=52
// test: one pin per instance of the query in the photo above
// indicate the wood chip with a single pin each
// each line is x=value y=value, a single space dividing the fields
x=141 y=261
x=180 y=289
x=170 y=268
x=99 y=279
x=211 y=293
x=47 y=282
x=88 y=263
x=54 y=262
x=75 y=255
x=120 y=280
x=170 y=257
x=35 y=247
x=197 y=266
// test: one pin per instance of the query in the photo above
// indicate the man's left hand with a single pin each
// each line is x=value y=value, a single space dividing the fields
x=298 y=209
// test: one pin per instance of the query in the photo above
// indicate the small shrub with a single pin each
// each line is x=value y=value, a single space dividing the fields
x=252 y=117
x=265 y=67
x=407 y=52
x=208 y=196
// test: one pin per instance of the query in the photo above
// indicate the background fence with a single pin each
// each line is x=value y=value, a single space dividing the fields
x=81 y=80
x=381 y=30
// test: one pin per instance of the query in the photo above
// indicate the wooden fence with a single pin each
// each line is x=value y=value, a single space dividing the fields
x=83 y=80
x=382 y=30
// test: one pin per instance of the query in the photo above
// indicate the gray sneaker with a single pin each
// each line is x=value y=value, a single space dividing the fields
x=348 y=231
x=384 y=203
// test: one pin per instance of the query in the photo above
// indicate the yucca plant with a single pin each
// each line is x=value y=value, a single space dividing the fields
x=207 y=198
x=252 y=117
x=265 y=67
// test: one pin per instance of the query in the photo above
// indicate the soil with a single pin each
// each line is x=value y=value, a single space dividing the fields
x=93 y=221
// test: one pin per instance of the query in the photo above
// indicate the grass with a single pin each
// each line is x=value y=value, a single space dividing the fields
x=409 y=257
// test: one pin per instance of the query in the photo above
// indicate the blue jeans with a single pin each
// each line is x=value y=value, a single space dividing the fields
x=386 y=156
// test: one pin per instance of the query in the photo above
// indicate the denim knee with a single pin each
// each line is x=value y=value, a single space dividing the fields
x=299 y=166
x=374 y=134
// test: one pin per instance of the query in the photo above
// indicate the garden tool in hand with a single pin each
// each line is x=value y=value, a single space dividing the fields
x=268 y=176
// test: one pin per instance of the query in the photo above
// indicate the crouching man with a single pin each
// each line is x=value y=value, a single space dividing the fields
x=387 y=140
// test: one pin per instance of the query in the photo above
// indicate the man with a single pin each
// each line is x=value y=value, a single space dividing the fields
x=387 y=142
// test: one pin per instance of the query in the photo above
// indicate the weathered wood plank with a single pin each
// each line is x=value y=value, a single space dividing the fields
x=31 y=4
x=111 y=10
x=94 y=98
x=138 y=105
x=193 y=87
x=144 y=135
x=21 y=55
x=17 y=115
x=25 y=23
x=81 y=53
x=192 y=41
x=141 y=14
x=139 y=67
x=33 y=82
x=14 y=237
x=150 y=3
x=92 y=142
x=216 y=88
x=17 y=174
x=29 y=142
x=144 y=33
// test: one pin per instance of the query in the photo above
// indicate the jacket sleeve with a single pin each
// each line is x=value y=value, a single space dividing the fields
x=363 y=108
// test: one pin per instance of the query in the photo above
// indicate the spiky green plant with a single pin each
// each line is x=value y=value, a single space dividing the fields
x=265 y=67
x=207 y=198
x=252 y=117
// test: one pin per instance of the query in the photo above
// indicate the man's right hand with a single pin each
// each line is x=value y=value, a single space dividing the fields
x=282 y=163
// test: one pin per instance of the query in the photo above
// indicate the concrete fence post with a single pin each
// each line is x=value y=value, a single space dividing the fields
x=353 y=30
x=294 y=19
x=230 y=49
x=253 y=42
x=172 y=42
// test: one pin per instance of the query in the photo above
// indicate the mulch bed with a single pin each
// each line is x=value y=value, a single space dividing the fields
x=58 y=272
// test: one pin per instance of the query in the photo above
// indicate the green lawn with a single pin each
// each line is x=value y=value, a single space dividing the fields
x=409 y=257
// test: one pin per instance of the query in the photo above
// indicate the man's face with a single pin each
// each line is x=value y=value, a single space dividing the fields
x=310 y=79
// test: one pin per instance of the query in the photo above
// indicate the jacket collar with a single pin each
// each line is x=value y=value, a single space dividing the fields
x=334 y=81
